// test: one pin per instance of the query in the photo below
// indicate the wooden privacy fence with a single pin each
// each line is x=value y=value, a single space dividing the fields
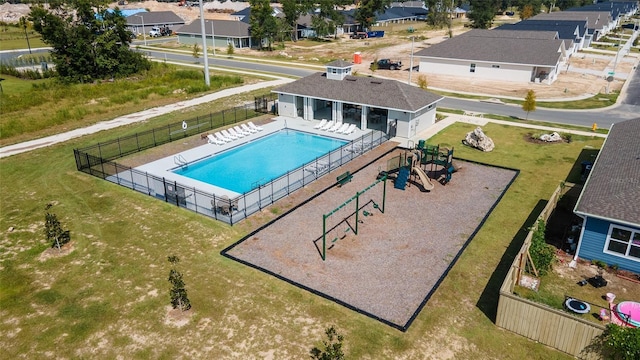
x=540 y=322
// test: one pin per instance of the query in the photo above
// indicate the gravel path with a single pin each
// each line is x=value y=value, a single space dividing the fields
x=390 y=268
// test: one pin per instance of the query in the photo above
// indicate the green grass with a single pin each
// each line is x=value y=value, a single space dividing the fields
x=39 y=108
x=12 y=38
x=531 y=122
x=107 y=298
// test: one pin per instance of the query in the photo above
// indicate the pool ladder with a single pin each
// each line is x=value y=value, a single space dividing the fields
x=180 y=161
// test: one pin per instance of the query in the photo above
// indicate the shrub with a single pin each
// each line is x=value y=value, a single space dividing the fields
x=621 y=342
x=599 y=263
x=422 y=82
x=542 y=254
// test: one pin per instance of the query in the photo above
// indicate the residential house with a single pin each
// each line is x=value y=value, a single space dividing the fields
x=521 y=56
x=598 y=22
x=142 y=22
x=572 y=32
x=219 y=33
x=609 y=201
x=393 y=107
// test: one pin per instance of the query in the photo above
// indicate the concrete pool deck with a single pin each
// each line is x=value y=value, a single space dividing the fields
x=164 y=167
x=392 y=267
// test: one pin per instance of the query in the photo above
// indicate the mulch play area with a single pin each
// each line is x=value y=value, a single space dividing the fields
x=392 y=266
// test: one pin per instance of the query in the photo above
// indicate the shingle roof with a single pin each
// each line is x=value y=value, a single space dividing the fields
x=370 y=91
x=155 y=18
x=565 y=30
x=612 y=190
x=340 y=64
x=229 y=28
x=475 y=45
x=595 y=19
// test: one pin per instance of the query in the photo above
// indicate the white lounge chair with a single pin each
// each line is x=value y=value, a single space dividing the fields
x=221 y=137
x=233 y=132
x=239 y=130
x=342 y=128
x=248 y=129
x=335 y=127
x=350 y=129
x=317 y=168
x=212 y=140
x=253 y=126
x=225 y=133
x=321 y=124
x=328 y=126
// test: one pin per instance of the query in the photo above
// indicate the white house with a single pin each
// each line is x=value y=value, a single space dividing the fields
x=522 y=56
x=395 y=108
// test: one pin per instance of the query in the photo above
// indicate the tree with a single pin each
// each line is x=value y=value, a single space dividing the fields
x=54 y=233
x=178 y=293
x=365 y=14
x=621 y=342
x=195 y=51
x=230 y=49
x=374 y=65
x=482 y=13
x=526 y=12
x=23 y=23
x=422 y=82
x=292 y=10
x=332 y=349
x=262 y=22
x=529 y=103
x=438 y=15
x=88 y=42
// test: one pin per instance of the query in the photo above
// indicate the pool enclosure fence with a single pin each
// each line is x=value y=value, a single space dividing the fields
x=98 y=160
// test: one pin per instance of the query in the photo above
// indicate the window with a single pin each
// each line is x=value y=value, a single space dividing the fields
x=495 y=66
x=472 y=68
x=623 y=242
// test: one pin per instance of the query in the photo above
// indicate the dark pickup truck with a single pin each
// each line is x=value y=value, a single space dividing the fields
x=385 y=64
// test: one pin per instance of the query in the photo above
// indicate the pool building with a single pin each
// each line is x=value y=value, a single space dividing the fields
x=392 y=107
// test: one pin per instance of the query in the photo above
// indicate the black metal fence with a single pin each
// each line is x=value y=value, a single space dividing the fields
x=127 y=145
x=97 y=160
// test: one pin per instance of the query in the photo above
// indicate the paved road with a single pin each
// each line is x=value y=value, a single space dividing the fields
x=632 y=96
x=603 y=117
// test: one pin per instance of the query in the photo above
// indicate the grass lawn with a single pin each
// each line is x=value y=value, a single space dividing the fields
x=109 y=296
x=39 y=108
x=13 y=37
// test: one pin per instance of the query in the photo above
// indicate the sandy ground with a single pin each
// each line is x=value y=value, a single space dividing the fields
x=570 y=84
x=391 y=267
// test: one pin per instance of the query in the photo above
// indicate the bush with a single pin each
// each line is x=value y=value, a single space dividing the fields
x=621 y=342
x=542 y=254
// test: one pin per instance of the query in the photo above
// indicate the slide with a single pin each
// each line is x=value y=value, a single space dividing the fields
x=426 y=182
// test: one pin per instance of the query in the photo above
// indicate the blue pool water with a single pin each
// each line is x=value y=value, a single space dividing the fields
x=260 y=161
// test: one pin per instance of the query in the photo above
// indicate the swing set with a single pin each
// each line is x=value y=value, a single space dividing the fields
x=341 y=215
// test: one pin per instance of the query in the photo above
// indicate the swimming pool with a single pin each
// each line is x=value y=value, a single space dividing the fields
x=258 y=162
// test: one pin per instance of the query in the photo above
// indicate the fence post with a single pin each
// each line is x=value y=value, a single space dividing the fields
x=223 y=118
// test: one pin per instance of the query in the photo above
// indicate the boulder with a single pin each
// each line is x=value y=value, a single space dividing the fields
x=479 y=140
x=554 y=136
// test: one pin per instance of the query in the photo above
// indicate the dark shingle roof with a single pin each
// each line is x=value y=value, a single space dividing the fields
x=487 y=45
x=370 y=91
x=612 y=190
x=340 y=64
x=565 y=31
x=230 y=28
x=595 y=19
x=155 y=18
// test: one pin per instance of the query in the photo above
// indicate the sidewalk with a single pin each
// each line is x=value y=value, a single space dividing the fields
x=132 y=118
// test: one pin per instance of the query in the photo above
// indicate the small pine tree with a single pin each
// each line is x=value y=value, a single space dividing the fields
x=230 y=49
x=54 y=233
x=374 y=66
x=196 y=52
x=529 y=103
x=422 y=82
x=178 y=293
x=332 y=348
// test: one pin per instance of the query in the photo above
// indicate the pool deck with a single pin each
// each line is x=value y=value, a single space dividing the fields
x=164 y=167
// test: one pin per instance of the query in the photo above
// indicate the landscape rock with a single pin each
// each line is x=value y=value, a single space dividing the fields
x=479 y=140
x=554 y=136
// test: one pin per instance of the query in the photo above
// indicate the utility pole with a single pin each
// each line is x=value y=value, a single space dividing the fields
x=411 y=61
x=144 y=35
x=213 y=39
x=204 y=47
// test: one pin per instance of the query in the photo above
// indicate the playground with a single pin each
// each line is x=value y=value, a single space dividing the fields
x=406 y=241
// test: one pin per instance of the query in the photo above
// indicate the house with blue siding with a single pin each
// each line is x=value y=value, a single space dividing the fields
x=610 y=201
